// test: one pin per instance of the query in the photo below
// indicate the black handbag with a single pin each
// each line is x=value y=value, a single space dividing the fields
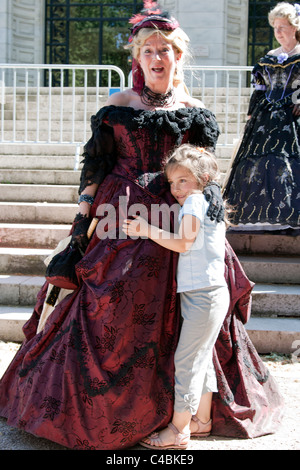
x=61 y=270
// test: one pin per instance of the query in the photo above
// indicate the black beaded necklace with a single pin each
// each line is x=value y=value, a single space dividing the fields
x=162 y=100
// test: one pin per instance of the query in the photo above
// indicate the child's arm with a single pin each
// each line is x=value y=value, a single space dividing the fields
x=180 y=242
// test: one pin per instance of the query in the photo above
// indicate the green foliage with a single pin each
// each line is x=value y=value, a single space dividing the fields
x=89 y=33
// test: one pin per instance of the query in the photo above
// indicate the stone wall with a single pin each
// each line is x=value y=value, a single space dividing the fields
x=22 y=31
x=4 y=31
x=218 y=30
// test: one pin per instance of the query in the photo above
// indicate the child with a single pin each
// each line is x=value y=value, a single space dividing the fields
x=203 y=291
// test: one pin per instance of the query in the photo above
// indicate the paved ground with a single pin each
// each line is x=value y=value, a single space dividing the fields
x=285 y=370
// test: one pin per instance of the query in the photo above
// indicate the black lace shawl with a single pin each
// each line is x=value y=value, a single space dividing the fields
x=100 y=153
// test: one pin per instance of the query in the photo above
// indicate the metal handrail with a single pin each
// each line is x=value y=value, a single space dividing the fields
x=42 y=104
x=27 y=81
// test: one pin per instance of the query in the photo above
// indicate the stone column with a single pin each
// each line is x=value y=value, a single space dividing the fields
x=237 y=32
x=4 y=36
x=218 y=29
x=26 y=29
x=22 y=31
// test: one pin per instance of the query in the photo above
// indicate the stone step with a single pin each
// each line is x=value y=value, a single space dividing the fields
x=37 y=212
x=57 y=162
x=272 y=244
x=67 y=100
x=67 y=136
x=103 y=91
x=55 y=159
x=28 y=132
x=220 y=105
x=222 y=91
x=40 y=177
x=277 y=335
x=276 y=300
x=31 y=124
x=12 y=320
x=222 y=115
x=67 y=91
x=25 y=261
x=272 y=269
x=20 y=290
x=56 y=115
x=32 y=235
x=38 y=193
x=224 y=151
x=230 y=127
x=38 y=149
x=52 y=150
x=223 y=164
x=38 y=162
x=269 y=335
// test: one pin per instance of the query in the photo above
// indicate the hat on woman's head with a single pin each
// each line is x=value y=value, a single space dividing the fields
x=151 y=16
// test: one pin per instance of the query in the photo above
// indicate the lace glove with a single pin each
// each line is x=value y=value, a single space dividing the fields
x=79 y=234
x=212 y=193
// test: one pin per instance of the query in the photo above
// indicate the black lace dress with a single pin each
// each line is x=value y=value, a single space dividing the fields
x=264 y=184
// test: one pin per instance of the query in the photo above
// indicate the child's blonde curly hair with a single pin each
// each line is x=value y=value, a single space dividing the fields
x=202 y=164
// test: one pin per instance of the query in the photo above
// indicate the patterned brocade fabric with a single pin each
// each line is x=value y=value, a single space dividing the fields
x=100 y=375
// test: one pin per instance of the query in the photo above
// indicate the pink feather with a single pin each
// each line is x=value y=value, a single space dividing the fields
x=148 y=9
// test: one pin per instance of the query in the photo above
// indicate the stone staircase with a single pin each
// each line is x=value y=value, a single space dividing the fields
x=38 y=201
x=273 y=263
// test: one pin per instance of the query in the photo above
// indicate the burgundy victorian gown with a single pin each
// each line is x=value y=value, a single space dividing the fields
x=100 y=374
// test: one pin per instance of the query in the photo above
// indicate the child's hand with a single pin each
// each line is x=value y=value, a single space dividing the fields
x=138 y=227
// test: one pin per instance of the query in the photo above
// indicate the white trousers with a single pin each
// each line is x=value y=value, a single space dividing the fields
x=203 y=313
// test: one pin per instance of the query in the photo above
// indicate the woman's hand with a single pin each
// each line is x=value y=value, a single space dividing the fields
x=213 y=195
x=137 y=227
x=79 y=232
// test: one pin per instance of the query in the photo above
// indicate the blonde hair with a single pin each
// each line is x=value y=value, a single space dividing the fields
x=202 y=164
x=288 y=11
x=177 y=38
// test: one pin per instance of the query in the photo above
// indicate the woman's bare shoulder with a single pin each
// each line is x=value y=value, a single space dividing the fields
x=122 y=98
x=195 y=103
x=191 y=102
x=186 y=99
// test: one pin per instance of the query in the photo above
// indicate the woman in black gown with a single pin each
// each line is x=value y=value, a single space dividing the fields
x=264 y=183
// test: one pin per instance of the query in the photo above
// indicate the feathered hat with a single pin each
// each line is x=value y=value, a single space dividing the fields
x=151 y=16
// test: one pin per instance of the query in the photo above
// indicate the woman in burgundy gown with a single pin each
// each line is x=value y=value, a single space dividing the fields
x=100 y=374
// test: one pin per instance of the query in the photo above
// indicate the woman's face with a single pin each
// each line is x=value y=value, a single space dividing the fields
x=158 y=60
x=284 y=31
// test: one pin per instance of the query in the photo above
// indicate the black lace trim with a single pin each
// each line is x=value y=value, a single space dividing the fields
x=99 y=152
x=200 y=120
